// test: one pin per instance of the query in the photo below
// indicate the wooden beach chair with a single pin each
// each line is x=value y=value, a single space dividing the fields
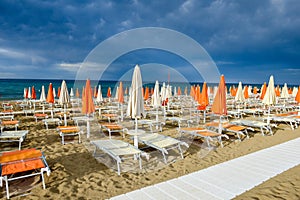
x=30 y=162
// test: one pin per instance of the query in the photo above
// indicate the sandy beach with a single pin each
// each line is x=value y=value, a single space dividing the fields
x=76 y=174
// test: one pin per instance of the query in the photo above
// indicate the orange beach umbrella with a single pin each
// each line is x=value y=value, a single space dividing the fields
x=87 y=101
x=50 y=96
x=219 y=104
x=297 y=98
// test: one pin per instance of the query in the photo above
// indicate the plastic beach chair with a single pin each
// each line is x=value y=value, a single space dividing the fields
x=12 y=163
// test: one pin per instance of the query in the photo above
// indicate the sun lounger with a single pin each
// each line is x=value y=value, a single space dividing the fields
x=14 y=136
x=51 y=121
x=118 y=150
x=162 y=143
x=9 y=123
x=232 y=128
x=69 y=131
x=179 y=120
x=13 y=163
x=289 y=119
x=40 y=116
x=208 y=135
x=151 y=123
x=255 y=124
x=110 y=116
x=113 y=128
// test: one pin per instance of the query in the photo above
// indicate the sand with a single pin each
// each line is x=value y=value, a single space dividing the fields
x=76 y=174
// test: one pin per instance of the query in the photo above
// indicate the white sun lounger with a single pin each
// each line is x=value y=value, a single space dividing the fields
x=162 y=143
x=292 y=122
x=151 y=123
x=118 y=150
x=14 y=136
x=256 y=124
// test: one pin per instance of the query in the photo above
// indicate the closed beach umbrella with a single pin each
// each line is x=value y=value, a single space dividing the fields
x=25 y=93
x=43 y=94
x=297 y=98
x=29 y=93
x=121 y=98
x=263 y=91
x=204 y=100
x=87 y=102
x=64 y=98
x=239 y=96
x=285 y=92
x=71 y=93
x=135 y=107
x=108 y=92
x=136 y=101
x=219 y=103
x=295 y=90
x=50 y=96
x=88 y=107
x=33 y=93
x=246 y=92
x=58 y=92
x=121 y=93
x=54 y=93
x=146 y=96
x=77 y=93
x=179 y=91
x=270 y=96
x=117 y=93
x=99 y=95
x=156 y=100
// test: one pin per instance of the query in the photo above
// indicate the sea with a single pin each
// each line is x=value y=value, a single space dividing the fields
x=13 y=89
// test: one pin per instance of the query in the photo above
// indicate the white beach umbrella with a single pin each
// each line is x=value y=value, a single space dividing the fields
x=250 y=90
x=295 y=91
x=163 y=92
x=117 y=93
x=64 y=98
x=29 y=93
x=71 y=93
x=270 y=96
x=43 y=95
x=175 y=91
x=239 y=93
x=54 y=94
x=25 y=91
x=156 y=100
x=215 y=90
x=136 y=101
x=99 y=95
x=285 y=92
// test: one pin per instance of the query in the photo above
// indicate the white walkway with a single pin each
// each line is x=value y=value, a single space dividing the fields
x=225 y=180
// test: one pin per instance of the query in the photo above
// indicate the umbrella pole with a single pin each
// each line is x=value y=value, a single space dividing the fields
x=88 y=128
x=121 y=112
x=65 y=115
x=135 y=139
x=220 y=126
x=156 y=118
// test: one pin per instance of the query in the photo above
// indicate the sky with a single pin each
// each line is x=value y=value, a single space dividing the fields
x=247 y=40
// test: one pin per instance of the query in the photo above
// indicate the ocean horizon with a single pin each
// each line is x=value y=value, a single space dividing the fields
x=13 y=89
